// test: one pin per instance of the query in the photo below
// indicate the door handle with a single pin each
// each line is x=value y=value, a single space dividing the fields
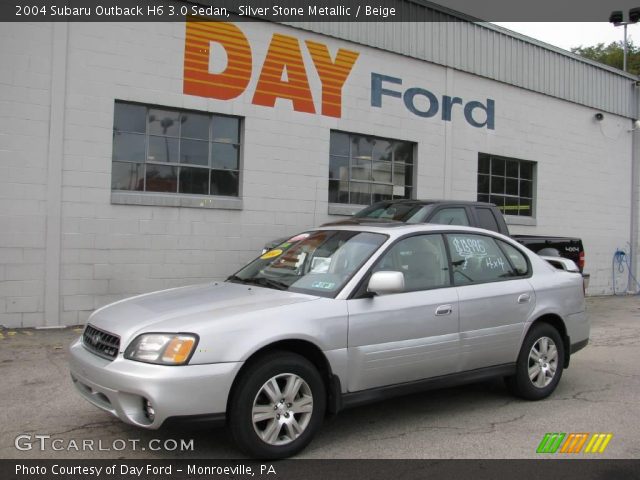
x=444 y=310
x=524 y=298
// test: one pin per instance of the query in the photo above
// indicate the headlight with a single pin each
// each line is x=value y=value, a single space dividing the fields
x=162 y=348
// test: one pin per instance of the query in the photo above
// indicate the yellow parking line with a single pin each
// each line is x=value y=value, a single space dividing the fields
x=11 y=334
x=77 y=330
x=28 y=333
x=1 y=336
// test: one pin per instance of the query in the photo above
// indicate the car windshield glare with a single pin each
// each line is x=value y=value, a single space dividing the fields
x=318 y=262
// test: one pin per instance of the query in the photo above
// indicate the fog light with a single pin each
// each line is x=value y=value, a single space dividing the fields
x=149 y=411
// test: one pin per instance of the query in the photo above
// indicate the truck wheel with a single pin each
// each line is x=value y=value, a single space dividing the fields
x=540 y=363
x=277 y=406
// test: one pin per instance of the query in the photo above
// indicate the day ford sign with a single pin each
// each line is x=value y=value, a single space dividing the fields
x=219 y=63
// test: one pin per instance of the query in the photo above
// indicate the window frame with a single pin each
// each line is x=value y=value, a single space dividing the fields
x=178 y=164
x=370 y=182
x=490 y=197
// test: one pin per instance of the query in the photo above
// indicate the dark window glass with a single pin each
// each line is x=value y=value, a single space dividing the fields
x=194 y=180
x=224 y=156
x=483 y=184
x=497 y=166
x=360 y=169
x=161 y=178
x=128 y=147
x=402 y=174
x=339 y=168
x=153 y=148
x=338 y=191
x=195 y=152
x=127 y=176
x=163 y=149
x=339 y=144
x=129 y=118
x=451 y=216
x=486 y=219
x=525 y=188
x=511 y=186
x=224 y=182
x=509 y=183
x=403 y=152
x=382 y=151
x=226 y=129
x=195 y=125
x=484 y=163
x=164 y=122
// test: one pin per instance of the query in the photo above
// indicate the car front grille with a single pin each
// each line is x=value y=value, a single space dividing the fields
x=100 y=342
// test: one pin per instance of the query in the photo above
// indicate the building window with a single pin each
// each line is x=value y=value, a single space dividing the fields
x=365 y=169
x=507 y=182
x=157 y=149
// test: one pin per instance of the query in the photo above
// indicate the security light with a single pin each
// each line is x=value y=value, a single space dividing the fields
x=634 y=15
x=599 y=116
x=616 y=17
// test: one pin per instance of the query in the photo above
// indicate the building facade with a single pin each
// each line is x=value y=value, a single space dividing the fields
x=143 y=156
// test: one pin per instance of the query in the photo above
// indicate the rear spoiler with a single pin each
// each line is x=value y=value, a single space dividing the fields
x=568 y=266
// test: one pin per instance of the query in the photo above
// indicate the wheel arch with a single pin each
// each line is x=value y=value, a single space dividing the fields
x=306 y=349
x=556 y=322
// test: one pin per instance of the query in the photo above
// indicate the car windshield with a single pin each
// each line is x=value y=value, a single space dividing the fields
x=318 y=262
x=402 y=212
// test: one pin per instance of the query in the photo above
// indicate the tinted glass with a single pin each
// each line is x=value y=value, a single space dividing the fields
x=450 y=216
x=195 y=152
x=127 y=176
x=226 y=129
x=162 y=178
x=128 y=147
x=194 y=180
x=517 y=258
x=225 y=156
x=224 y=183
x=195 y=125
x=486 y=219
x=164 y=122
x=129 y=118
x=163 y=149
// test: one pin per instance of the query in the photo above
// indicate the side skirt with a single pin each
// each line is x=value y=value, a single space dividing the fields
x=354 y=399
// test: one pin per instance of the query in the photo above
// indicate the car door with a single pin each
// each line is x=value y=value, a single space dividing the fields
x=495 y=298
x=411 y=335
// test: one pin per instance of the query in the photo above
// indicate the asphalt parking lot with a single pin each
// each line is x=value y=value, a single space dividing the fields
x=600 y=392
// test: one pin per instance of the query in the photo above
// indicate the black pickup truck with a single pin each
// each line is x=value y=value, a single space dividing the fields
x=474 y=214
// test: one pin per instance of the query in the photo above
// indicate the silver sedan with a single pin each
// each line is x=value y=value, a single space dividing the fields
x=333 y=318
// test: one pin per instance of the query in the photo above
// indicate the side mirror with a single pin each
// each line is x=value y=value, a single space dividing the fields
x=383 y=283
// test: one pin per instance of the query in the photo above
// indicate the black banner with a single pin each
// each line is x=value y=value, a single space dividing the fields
x=320 y=469
x=312 y=10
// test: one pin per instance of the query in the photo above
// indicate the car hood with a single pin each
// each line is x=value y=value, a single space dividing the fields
x=181 y=309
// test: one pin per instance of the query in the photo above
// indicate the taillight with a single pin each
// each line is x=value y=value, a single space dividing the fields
x=581 y=261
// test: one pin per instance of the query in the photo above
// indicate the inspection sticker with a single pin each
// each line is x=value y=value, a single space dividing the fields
x=271 y=254
x=323 y=285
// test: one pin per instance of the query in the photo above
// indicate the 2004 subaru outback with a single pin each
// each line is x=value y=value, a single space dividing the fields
x=330 y=319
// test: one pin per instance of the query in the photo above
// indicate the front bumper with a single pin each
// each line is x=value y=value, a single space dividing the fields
x=121 y=387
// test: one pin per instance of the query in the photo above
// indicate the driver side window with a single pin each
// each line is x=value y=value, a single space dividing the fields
x=422 y=259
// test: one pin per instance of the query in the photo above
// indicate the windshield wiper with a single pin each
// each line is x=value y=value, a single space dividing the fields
x=260 y=281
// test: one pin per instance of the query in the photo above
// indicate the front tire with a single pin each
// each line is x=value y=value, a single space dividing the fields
x=540 y=363
x=277 y=406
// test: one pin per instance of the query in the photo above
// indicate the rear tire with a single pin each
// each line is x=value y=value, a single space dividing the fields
x=277 y=406
x=540 y=363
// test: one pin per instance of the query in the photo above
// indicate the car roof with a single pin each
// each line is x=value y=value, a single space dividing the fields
x=398 y=229
x=432 y=202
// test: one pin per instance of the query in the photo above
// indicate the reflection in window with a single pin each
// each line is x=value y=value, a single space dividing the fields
x=365 y=169
x=174 y=151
